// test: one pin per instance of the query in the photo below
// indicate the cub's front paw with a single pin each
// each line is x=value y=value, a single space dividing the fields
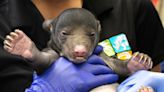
x=139 y=61
x=18 y=43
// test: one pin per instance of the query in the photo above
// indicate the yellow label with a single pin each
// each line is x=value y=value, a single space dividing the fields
x=107 y=48
x=124 y=55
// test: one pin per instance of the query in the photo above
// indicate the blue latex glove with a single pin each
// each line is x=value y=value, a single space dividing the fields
x=143 y=78
x=64 y=76
x=162 y=66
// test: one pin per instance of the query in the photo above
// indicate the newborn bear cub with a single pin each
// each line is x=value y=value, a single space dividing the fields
x=74 y=35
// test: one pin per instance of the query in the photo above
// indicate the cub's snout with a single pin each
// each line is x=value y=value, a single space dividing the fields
x=79 y=52
x=79 y=47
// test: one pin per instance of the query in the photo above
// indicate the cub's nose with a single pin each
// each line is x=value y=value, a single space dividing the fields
x=80 y=51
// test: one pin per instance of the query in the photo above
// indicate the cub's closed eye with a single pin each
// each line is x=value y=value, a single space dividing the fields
x=64 y=33
x=92 y=34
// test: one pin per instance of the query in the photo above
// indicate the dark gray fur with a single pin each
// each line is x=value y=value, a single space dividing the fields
x=73 y=26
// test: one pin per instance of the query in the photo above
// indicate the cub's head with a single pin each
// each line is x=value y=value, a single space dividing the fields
x=74 y=34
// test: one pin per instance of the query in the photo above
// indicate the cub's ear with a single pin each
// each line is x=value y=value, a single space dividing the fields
x=48 y=25
x=98 y=26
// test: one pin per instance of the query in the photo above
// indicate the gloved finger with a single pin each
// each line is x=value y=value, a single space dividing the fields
x=136 y=78
x=39 y=85
x=133 y=78
x=129 y=88
x=96 y=69
x=62 y=61
x=35 y=76
x=126 y=84
x=130 y=81
x=153 y=79
x=102 y=80
x=59 y=65
x=94 y=59
x=98 y=50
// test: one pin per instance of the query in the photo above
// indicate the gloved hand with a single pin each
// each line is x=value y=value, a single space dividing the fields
x=64 y=76
x=162 y=66
x=143 y=78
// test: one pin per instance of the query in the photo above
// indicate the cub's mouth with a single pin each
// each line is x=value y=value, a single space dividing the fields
x=78 y=59
x=78 y=54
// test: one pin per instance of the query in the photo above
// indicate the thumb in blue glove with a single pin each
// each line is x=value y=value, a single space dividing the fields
x=64 y=76
x=98 y=50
